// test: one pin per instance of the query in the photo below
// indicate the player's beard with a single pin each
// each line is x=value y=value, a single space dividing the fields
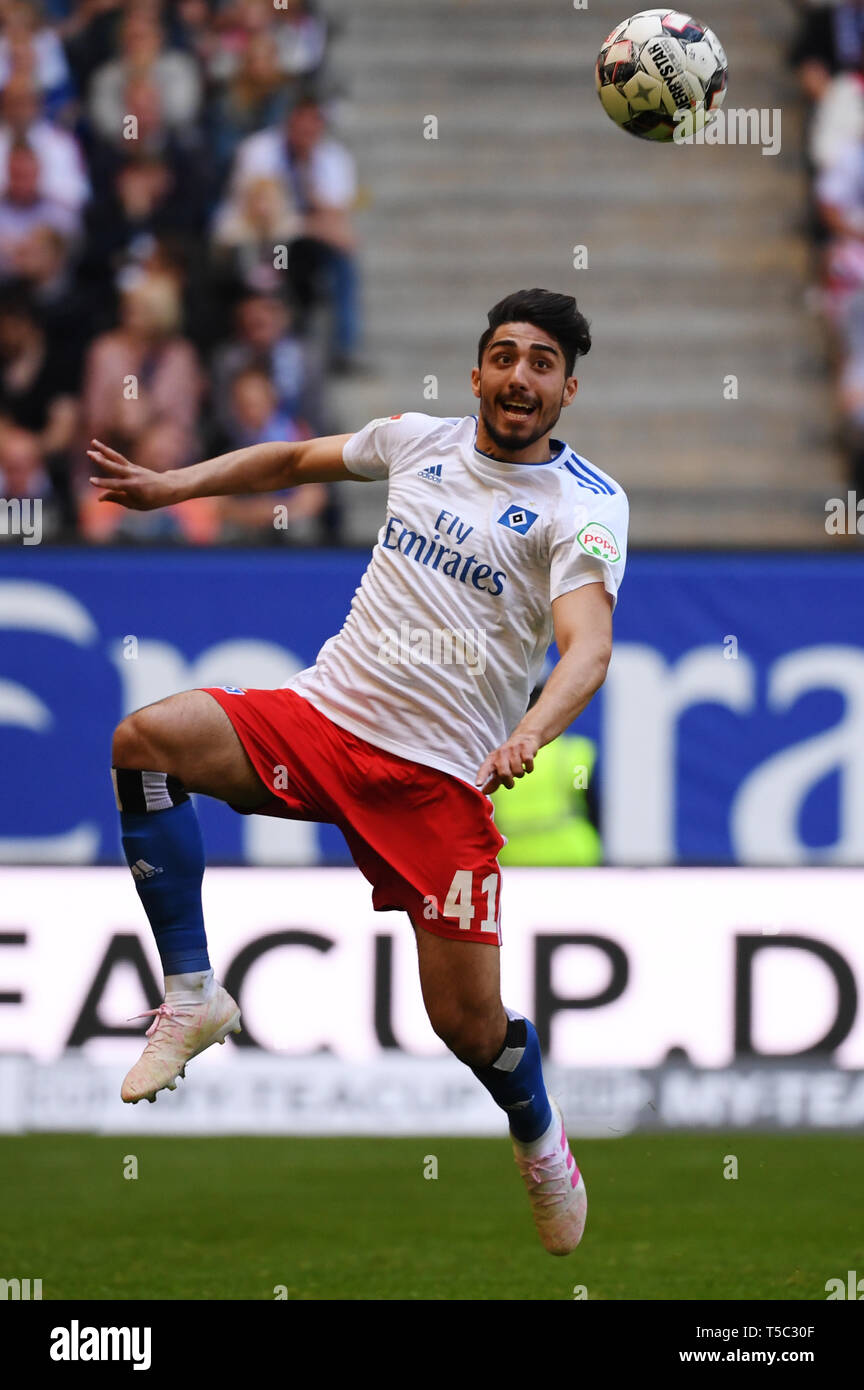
x=507 y=443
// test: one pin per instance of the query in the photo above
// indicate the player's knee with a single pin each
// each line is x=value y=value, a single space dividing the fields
x=474 y=1036
x=136 y=742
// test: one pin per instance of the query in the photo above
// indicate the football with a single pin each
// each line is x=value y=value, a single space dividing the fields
x=661 y=71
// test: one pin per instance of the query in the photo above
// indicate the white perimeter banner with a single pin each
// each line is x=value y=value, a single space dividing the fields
x=621 y=970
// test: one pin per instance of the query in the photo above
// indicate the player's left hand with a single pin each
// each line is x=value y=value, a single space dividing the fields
x=127 y=483
x=513 y=759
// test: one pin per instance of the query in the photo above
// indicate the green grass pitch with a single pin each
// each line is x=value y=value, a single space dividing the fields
x=233 y=1218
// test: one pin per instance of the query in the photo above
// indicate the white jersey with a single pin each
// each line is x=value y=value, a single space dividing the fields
x=448 y=631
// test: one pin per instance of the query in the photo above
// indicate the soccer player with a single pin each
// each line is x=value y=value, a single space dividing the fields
x=497 y=538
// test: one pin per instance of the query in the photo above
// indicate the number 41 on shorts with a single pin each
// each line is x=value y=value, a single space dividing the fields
x=458 y=902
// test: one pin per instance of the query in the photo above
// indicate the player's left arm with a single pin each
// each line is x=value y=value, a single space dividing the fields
x=582 y=621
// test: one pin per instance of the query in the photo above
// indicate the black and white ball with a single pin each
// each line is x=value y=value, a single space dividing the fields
x=656 y=64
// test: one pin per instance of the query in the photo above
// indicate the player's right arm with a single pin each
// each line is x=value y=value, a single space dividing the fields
x=258 y=468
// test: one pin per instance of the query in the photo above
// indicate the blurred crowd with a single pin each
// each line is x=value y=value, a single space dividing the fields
x=178 y=269
x=828 y=58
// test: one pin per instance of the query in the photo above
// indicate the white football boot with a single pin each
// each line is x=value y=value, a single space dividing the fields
x=559 y=1202
x=179 y=1031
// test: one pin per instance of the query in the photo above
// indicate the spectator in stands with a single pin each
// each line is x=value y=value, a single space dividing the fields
x=301 y=38
x=255 y=418
x=35 y=373
x=63 y=175
x=109 y=285
x=830 y=40
x=45 y=267
x=194 y=30
x=837 y=121
x=319 y=174
x=89 y=35
x=39 y=381
x=828 y=55
x=840 y=199
x=173 y=73
x=143 y=368
x=256 y=96
x=148 y=200
x=264 y=338
x=59 y=302
x=31 y=50
x=24 y=211
x=248 y=230
x=162 y=445
x=191 y=177
x=850 y=395
x=23 y=474
x=294 y=32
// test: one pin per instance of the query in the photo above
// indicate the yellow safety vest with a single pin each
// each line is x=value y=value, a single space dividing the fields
x=545 y=815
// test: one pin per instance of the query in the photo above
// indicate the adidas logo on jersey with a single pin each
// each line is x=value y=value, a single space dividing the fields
x=141 y=869
x=432 y=474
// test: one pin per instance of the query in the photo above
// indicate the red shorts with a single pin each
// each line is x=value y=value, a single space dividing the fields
x=425 y=841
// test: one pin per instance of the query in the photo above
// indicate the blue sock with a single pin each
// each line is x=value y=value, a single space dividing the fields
x=165 y=852
x=515 y=1080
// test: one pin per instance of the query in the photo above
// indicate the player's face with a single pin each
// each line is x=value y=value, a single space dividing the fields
x=522 y=386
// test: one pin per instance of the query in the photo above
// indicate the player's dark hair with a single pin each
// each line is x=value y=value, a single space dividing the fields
x=557 y=314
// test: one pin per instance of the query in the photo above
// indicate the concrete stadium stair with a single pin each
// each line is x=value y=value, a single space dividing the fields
x=697 y=260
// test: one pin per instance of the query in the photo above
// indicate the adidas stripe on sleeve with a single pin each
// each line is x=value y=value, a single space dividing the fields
x=588 y=541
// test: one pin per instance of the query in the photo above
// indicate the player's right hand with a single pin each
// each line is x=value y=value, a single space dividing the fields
x=127 y=483
x=513 y=759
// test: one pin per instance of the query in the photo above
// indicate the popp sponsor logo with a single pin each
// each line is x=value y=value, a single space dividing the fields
x=598 y=540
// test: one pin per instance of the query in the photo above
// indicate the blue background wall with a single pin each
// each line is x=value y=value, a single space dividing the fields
x=85 y=636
